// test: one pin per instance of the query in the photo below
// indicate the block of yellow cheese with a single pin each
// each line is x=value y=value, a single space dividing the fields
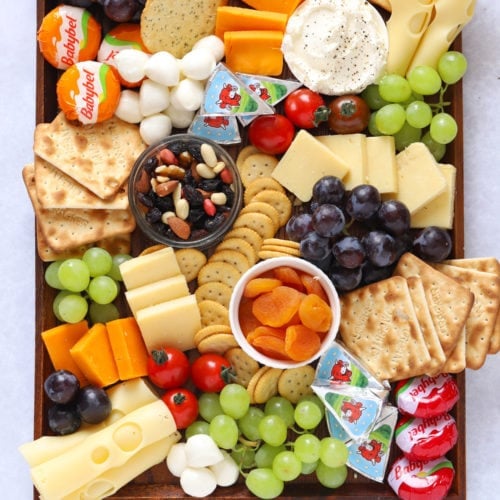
x=381 y=168
x=439 y=212
x=285 y=6
x=419 y=178
x=304 y=163
x=171 y=323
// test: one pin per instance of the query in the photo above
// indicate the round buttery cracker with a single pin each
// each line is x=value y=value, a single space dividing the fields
x=261 y=184
x=260 y=223
x=262 y=207
x=242 y=364
x=233 y=257
x=218 y=343
x=279 y=201
x=240 y=245
x=256 y=166
x=205 y=332
x=151 y=249
x=190 y=262
x=214 y=290
x=282 y=243
x=294 y=252
x=219 y=271
x=294 y=383
x=248 y=234
x=267 y=385
x=244 y=153
x=213 y=313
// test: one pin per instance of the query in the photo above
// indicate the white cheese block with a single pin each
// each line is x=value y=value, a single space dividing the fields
x=352 y=149
x=149 y=268
x=450 y=17
x=154 y=293
x=106 y=449
x=305 y=162
x=439 y=212
x=381 y=163
x=172 y=323
x=408 y=22
x=419 y=178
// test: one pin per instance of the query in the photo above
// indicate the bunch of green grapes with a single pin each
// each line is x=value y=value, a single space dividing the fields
x=87 y=285
x=402 y=108
x=258 y=438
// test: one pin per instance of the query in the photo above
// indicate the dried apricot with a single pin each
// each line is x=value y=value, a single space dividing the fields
x=313 y=285
x=315 y=313
x=268 y=331
x=248 y=321
x=289 y=276
x=301 y=342
x=277 y=307
x=271 y=346
x=257 y=286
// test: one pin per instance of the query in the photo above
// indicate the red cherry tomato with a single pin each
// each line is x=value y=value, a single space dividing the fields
x=349 y=114
x=305 y=108
x=183 y=405
x=211 y=372
x=168 y=367
x=272 y=134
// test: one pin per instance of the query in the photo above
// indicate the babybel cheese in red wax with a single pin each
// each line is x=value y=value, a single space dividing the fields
x=69 y=35
x=427 y=396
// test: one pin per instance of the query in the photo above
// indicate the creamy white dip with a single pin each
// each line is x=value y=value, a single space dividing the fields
x=336 y=47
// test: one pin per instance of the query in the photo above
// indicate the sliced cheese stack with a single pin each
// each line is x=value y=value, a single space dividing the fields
x=159 y=298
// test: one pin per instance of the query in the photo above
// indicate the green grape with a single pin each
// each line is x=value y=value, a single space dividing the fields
x=102 y=313
x=73 y=308
x=307 y=415
x=249 y=423
x=438 y=150
x=57 y=300
x=264 y=456
x=103 y=289
x=282 y=407
x=314 y=398
x=331 y=477
x=443 y=128
x=263 y=483
x=197 y=427
x=234 y=400
x=390 y=119
x=394 y=88
x=244 y=456
x=98 y=260
x=117 y=259
x=223 y=429
x=372 y=125
x=209 y=405
x=371 y=95
x=418 y=114
x=406 y=136
x=333 y=452
x=272 y=430
x=452 y=66
x=306 y=447
x=287 y=466
x=424 y=80
x=51 y=277
x=74 y=275
x=309 y=468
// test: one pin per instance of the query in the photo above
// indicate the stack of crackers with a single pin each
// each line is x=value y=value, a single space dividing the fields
x=78 y=185
x=425 y=319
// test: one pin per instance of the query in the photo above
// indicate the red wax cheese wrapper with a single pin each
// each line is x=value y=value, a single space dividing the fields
x=426 y=438
x=68 y=35
x=426 y=396
x=421 y=480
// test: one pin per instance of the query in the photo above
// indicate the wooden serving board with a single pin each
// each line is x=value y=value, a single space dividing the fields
x=157 y=483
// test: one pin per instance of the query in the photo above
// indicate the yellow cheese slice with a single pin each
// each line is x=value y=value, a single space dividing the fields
x=148 y=268
x=173 y=323
x=381 y=168
x=154 y=293
x=439 y=212
x=305 y=162
x=419 y=178
x=352 y=149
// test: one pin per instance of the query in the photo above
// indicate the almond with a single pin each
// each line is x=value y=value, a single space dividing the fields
x=143 y=184
x=166 y=188
x=180 y=227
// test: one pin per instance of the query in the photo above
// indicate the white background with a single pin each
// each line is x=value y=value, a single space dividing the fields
x=17 y=118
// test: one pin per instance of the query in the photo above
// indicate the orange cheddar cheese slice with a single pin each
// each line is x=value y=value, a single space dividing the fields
x=256 y=52
x=285 y=6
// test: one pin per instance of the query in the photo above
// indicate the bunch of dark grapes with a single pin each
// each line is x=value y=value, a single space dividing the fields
x=356 y=237
x=120 y=11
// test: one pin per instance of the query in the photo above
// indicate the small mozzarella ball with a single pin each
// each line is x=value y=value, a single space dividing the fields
x=155 y=127
x=176 y=459
x=198 y=64
x=131 y=63
x=198 y=483
x=181 y=118
x=163 y=67
x=188 y=94
x=202 y=451
x=213 y=43
x=154 y=97
x=129 y=109
x=226 y=471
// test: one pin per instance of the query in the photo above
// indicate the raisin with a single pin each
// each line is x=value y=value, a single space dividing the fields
x=197 y=216
x=164 y=203
x=211 y=185
x=193 y=196
x=151 y=164
x=154 y=215
x=212 y=223
x=145 y=199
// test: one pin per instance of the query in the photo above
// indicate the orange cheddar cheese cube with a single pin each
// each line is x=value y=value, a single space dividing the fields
x=59 y=340
x=94 y=356
x=129 y=349
x=257 y=52
x=285 y=6
x=242 y=19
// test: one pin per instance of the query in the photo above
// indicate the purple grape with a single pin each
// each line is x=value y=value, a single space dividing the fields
x=345 y=279
x=432 y=244
x=380 y=247
x=363 y=202
x=349 y=252
x=315 y=247
x=63 y=419
x=328 y=189
x=298 y=226
x=372 y=273
x=61 y=386
x=328 y=220
x=394 y=217
x=93 y=404
x=120 y=11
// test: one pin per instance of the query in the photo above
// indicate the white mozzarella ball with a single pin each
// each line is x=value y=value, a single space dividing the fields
x=188 y=94
x=226 y=471
x=154 y=97
x=181 y=118
x=202 y=451
x=213 y=43
x=176 y=459
x=155 y=127
x=129 y=109
x=198 y=64
x=198 y=483
x=163 y=67
x=131 y=63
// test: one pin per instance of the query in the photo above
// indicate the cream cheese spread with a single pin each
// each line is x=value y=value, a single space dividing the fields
x=336 y=47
